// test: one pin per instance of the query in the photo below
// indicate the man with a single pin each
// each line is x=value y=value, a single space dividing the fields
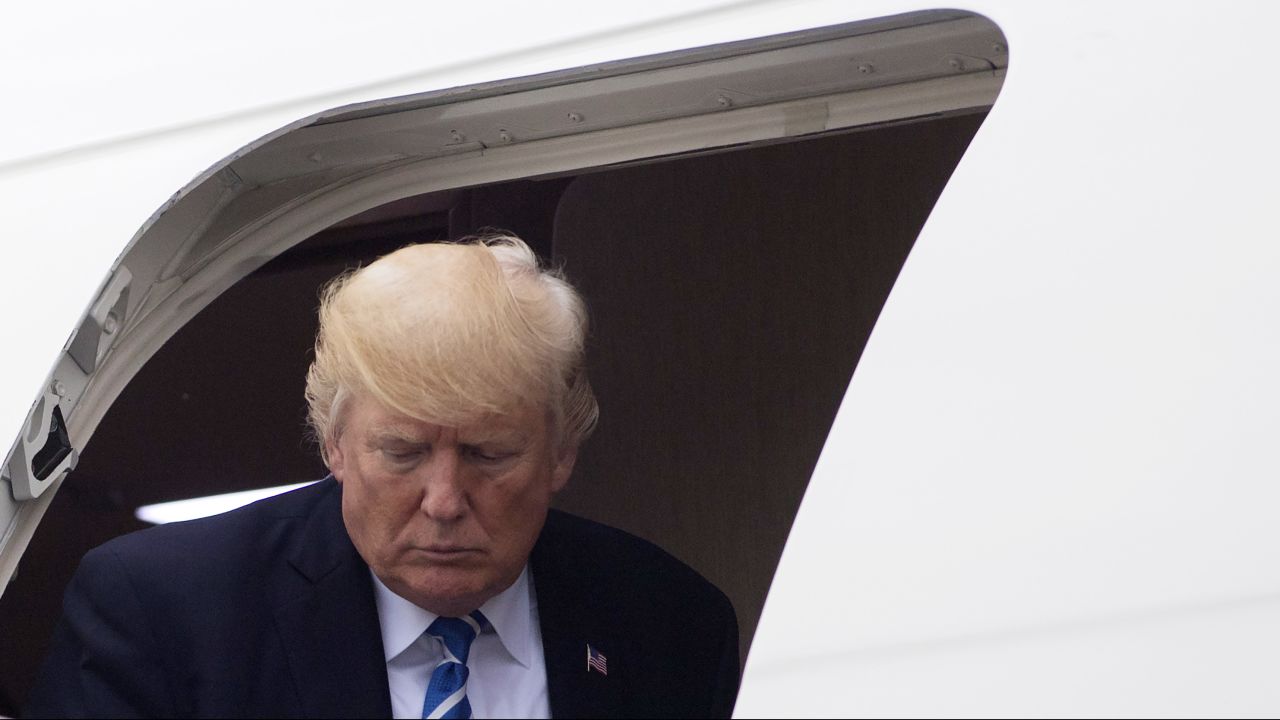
x=426 y=577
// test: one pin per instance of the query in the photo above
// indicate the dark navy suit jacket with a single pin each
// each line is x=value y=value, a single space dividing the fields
x=268 y=611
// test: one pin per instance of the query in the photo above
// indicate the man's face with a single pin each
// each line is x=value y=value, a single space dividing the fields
x=446 y=517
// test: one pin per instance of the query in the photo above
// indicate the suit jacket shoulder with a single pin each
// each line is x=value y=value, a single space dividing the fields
x=669 y=637
x=264 y=611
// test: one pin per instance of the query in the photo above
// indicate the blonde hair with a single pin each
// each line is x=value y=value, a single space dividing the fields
x=451 y=332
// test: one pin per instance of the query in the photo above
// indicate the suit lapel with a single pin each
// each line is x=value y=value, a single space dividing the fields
x=328 y=621
x=571 y=616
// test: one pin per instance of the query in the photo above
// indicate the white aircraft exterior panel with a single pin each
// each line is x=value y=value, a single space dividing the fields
x=98 y=72
x=1212 y=661
x=1069 y=407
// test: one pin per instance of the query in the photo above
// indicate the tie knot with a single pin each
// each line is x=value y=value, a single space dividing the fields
x=457 y=634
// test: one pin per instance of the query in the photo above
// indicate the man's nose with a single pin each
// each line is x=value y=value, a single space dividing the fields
x=445 y=497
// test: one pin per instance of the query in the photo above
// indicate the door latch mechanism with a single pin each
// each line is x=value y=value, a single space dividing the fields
x=43 y=454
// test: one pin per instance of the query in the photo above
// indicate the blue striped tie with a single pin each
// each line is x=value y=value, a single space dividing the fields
x=447 y=691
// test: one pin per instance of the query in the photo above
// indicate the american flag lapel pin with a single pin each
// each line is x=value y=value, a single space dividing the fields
x=596 y=661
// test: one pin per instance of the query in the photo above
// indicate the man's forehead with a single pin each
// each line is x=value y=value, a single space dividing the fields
x=485 y=427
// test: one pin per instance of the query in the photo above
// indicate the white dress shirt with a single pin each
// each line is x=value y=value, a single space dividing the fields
x=507 y=673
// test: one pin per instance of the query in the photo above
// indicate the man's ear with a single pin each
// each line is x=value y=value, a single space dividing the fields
x=564 y=467
x=333 y=454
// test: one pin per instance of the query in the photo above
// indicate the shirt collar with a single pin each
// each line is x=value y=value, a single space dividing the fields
x=509 y=612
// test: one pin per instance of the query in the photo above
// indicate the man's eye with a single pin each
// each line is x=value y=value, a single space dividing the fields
x=488 y=454
x=401 y=456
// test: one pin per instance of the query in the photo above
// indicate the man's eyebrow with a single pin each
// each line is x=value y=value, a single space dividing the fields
x=481 y=436
x=396 y=433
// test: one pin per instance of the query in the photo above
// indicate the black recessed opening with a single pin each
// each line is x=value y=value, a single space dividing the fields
x=57 y=446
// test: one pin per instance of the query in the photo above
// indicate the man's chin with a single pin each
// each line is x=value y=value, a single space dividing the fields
x=449 y=590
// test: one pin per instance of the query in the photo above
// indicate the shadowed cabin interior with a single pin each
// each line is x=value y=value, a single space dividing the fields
x=731 y=294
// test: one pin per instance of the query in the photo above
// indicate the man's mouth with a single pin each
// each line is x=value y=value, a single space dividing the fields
x=447 y=551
